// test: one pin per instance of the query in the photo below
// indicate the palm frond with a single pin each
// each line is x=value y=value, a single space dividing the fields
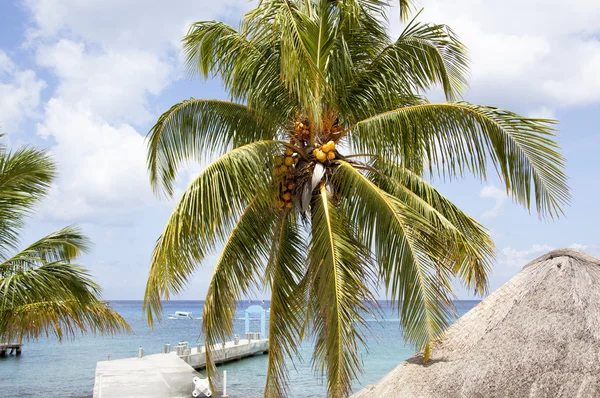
x=193 y=128
x=63 y=319
x=474 y=248
x=248 y=63
x=203 y=217
x=454 y=137
x=411 y=253
x=284 y=23
x=285 y=269
x=237 y=271
x=25 y=177
x=340 y=278
x=424 y=55
x=64 y=245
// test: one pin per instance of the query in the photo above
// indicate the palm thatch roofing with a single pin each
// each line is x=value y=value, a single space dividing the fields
x=536 y=336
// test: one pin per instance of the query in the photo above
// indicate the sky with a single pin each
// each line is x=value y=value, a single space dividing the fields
x=87 y=80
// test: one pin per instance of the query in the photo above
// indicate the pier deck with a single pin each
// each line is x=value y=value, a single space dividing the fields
x=165 y=375
x=160 y=375
x=13 y=347
x=230 y=352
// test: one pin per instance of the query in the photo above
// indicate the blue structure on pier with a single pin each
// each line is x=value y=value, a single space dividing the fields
x=253 y=310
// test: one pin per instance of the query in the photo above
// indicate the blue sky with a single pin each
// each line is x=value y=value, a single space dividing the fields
x=88 y=79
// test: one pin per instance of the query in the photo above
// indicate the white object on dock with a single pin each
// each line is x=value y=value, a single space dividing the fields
x=224 y=385
x=201 y=386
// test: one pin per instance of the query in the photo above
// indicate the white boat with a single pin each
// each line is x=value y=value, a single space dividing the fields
x=181 y=315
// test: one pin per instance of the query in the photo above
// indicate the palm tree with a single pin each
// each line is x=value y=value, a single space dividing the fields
x=321 y=189
x=41 y=291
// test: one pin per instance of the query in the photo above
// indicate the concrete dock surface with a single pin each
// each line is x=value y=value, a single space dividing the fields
x=160 y=375
x=231 y=352
x=165 y=375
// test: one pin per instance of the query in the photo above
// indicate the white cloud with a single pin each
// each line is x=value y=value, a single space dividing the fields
x=542 y=112
x=519 y=258
x=524 y=55
x=578 y=246
x=116 y=24
x=115 y=85
x=101 y=167
x=110 y=59
x=499 y=196
x=19 y=94
x=6 y=64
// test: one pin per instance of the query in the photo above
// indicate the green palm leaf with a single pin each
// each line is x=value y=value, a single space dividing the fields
x=237 y=271
x=196 y=126
x=475 y=248
x=339 y=279
x=41 y=291
x=285 y=268
x=455 y=137
x=411 y=252
x=204 y=216
x=25 y=177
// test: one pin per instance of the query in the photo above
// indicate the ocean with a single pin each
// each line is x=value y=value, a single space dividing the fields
x=52 y=369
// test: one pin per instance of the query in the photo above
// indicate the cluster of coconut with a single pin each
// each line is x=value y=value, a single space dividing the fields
x=302 y=129
x=286 y=193
x=284 y=164
x=325 y=152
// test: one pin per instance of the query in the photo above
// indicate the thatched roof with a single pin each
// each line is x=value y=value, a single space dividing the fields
x=536 y=336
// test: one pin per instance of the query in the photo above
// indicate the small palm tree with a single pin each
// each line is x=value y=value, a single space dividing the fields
x=41 y=291
x=321 y=189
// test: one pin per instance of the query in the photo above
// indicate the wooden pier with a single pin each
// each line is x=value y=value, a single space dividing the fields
x=14 y=348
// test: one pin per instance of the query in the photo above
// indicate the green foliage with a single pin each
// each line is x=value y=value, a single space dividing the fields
x=41 y=291
x=320 y=228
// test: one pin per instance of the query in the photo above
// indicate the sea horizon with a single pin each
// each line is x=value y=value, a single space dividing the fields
x=67 y=369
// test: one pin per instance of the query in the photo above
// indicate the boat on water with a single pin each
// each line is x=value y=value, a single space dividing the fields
x=182 y=315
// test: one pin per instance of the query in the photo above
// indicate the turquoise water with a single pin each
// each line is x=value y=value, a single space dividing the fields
x=51 y=369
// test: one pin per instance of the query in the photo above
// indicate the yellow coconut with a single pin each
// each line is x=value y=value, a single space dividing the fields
x=289 y=205
x=278 y=161
x=321 y=156
x=331 y=155
x=295 y=160
x=291 y=186
x=287 y=196
x=283 y=169
x=280 y=204
x=288 y=161
x=289 y=152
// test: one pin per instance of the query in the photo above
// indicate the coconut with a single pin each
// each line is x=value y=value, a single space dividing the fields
x=331 y=155
x=321 y=156
x=288 y=161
